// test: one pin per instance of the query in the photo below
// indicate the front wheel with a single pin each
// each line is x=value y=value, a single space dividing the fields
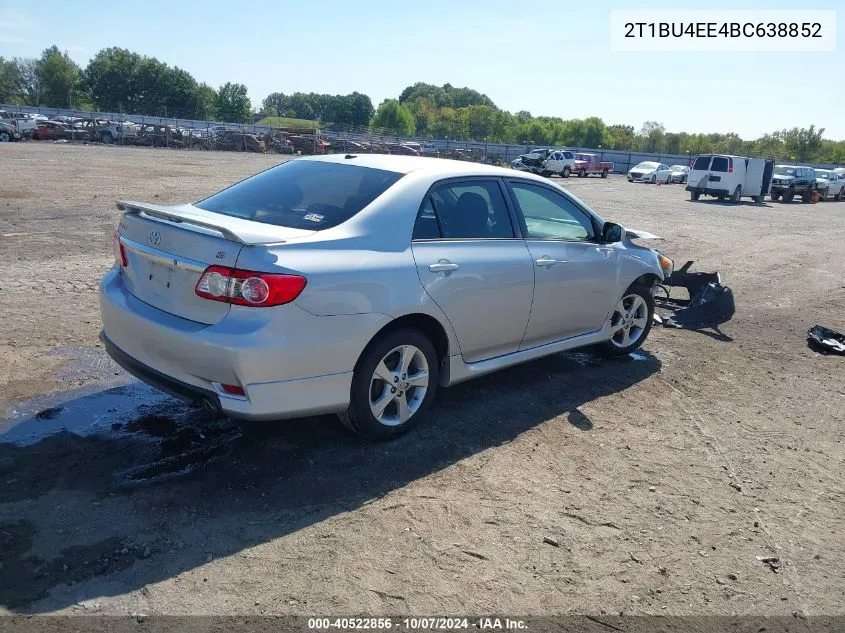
x=838 y=196
x=694 y=195
x=566 y=171
x=630 y=321
x=654 y=180
x=392 y=385
x=775 y=196
x=582 y=174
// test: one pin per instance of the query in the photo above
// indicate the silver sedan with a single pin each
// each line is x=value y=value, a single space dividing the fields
x=358 y=284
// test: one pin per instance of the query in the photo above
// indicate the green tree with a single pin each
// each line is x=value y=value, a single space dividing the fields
x=11 y=82
x=60 y=79
x=112 y=80
x=233 y=104
x=622 y=137
x=394 y=117
x=803 y=143
x=205 y=103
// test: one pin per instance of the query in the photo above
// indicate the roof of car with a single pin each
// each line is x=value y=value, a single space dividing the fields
x=407 y=164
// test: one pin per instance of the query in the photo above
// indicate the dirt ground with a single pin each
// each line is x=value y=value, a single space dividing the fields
x=568 y=485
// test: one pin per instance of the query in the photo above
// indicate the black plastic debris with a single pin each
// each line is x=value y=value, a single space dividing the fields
x=710 y=302
x=825 y=340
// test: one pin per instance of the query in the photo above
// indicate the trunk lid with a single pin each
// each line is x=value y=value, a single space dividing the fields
x=168 y=248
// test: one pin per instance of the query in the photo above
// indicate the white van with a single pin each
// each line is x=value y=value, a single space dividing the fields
x=733 y=177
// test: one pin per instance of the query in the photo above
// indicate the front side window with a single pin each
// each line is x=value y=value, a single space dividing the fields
x=471 y=210
x=550 y=215
x=303 y=194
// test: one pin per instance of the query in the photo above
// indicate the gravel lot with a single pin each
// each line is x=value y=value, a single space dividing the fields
x=568 y=485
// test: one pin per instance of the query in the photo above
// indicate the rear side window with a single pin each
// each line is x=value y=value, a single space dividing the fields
x=702 y=163
x=465 y=210
x=303 y=194
x=720 y=163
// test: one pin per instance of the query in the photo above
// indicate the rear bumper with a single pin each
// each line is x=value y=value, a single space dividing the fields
x=708 y=191
x=289 y=362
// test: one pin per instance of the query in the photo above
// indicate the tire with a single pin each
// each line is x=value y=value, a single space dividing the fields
x=604 y=173
x=582 y=174
x=775 y=196
x=5 y=137
x=629 y=330
x=669 y=179
x=838 y=196
x=789 y=194
x=807 y=195
x=566 y=171
x=823 y=195
x=683 y=180
x=737 y=195
x=369 y=391
x=654 y=180
x=545 y=173
x=694 y=195
x=106 y=138
x=758 y=199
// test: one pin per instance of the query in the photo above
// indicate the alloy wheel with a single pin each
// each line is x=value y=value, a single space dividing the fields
x=399 y=385
x=628 y=321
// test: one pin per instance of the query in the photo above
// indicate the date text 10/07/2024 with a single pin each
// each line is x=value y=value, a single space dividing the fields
x=416 y=624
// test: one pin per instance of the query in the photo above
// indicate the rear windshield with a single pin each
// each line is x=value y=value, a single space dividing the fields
x=720 y=163
x=702 y=162
x=303 y=194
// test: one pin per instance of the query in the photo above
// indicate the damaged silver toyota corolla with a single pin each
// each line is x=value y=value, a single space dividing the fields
x=359 y=284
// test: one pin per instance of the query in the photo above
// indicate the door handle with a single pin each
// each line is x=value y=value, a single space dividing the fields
x=545 y=260
x=443 y=266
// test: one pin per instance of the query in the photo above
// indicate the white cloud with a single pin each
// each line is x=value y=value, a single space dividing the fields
x=15 y=26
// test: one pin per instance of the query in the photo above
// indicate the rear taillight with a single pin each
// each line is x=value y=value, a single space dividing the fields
x=234 y=389
x=248 y=288
x=119 y=251
x=730 y=166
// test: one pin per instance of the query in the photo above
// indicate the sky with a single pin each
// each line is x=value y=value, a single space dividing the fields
x=550 y=58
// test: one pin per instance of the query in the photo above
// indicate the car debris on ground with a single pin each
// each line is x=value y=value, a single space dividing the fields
x=710 y=302
x=826 y=341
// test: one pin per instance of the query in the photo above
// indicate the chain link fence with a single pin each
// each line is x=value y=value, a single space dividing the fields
x=170 y=132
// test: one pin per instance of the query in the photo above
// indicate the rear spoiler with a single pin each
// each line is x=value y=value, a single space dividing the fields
x=174 y=215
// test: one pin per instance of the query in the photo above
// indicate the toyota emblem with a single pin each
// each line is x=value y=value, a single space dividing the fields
x=155 y=238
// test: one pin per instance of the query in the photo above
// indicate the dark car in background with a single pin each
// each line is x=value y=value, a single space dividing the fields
x=791 y=180
x=9 y=133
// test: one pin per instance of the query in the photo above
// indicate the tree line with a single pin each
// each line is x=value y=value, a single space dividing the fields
x=119 y=80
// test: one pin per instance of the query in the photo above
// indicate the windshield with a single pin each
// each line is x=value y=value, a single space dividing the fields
x=781 y=170
x=822 y=174
x=303 y=194
x=584 y=157
x=646 y=165
x=678 y=168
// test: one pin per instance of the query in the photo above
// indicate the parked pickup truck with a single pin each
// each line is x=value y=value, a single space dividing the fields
x=586 y=164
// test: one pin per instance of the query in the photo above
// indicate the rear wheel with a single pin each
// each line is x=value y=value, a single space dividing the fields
x=838 y=196
x=737 y=194
x=604 y=173
x=630 y=321
x=669 y=179
x=393 y=384
x=566 y=171
x=582 y=173
x=106 y=138
x=5 y=137
x=807 y=195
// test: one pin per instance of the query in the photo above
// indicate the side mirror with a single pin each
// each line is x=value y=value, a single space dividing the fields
x=611 y=233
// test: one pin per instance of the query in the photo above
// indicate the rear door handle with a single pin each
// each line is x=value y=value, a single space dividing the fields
x=545 y=260
x=443 y=266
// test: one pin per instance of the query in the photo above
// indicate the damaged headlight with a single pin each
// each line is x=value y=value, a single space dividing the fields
x=666 y=264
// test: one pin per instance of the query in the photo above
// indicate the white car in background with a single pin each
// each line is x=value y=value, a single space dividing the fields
x=560 y=162
x=829 y=184
x=680 y=173
x=650 y=171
